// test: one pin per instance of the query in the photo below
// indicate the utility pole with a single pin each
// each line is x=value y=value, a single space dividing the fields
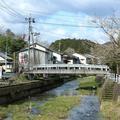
x=59 y=50
x=30 y=20
x=6 y=47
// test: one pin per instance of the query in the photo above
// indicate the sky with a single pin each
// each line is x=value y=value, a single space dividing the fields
x=73 y=16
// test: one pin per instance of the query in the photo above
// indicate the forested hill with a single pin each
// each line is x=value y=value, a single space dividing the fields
x=79 y=45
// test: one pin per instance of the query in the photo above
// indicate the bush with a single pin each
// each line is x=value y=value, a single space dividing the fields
x=100 y=80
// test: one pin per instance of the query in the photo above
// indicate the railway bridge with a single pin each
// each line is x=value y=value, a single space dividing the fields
x=68 y=69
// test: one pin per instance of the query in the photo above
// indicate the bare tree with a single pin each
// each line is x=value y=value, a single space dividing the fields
x=111 y=27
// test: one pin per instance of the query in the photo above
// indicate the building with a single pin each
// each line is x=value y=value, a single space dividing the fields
x=70 y=59
x=6 y=62
x=82 y=58
x=38 y=55
x=57 y=58
x=74 y=58
x=90 y=59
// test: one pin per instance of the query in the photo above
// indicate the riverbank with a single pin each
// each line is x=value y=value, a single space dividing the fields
x=110 y=110
x=110 y=101
x=56 y=104
x=22 y=88
x=54 y=109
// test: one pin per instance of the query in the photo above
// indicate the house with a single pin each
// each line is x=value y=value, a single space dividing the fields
x=6 y=62
x=90 y=59
x=70 y=59
x=74 y=58
x=38 y=55
x=57 y=58
x=82 y=58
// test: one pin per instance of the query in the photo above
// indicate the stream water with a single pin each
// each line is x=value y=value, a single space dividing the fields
x=87 y=110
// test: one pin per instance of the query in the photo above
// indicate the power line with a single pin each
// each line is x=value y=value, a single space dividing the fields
x=7 y=11
x=45 y=13
x=10 y=8
x=58 y=24
x=68 y=25
x=6 y=8
x=65 y=18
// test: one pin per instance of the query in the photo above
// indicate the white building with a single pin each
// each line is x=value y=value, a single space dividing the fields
x=82 y=58
x=38 y=55
x=57 y=57
x=6 y=62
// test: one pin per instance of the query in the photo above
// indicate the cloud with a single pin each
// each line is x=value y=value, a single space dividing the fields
x=77 y=12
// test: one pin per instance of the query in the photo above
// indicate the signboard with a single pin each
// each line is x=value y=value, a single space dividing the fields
x=23 y=58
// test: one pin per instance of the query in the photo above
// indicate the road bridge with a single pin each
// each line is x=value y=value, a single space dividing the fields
x=69 y=69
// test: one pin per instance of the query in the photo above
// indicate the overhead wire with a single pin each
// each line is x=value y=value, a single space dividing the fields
x=6 y=8
x=46 y=13
x=68 y=25
x=58 y=17
x=14 y=11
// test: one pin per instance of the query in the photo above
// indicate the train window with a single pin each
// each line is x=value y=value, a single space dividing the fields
x=71 y=68
x=89 y=68
x=104 y=69
x=38 y=68
x=77 y=68
x=97 y=68
x=82 y=68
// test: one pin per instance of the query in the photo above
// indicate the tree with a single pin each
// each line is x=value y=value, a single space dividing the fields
x=69 y=51
x=11 y=43
x=111 y=27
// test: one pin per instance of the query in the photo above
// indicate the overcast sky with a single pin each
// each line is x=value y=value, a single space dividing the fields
x=72 y=12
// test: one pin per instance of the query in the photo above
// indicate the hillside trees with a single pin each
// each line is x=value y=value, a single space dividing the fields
x=81 y=46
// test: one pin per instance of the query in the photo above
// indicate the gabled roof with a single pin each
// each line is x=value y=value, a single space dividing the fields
x=3 y=55
x=38 y=49
x=79 y=55
x=31 y=47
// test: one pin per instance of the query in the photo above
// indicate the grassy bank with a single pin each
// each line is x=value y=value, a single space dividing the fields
x=88 y=82
x=58 y=108
x=87 y=85
x=110 y=110
x=54 y=109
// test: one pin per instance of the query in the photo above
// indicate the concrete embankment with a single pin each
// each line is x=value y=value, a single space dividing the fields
x=12 y=93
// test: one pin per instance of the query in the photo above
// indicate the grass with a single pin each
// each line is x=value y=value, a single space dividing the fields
x=86 y=92
x=110 y=110
x=87 y=85
x=54 y=109
x=88 y=82
x=58 y=108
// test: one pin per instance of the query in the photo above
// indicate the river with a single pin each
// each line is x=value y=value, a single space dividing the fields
x=88 y=108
